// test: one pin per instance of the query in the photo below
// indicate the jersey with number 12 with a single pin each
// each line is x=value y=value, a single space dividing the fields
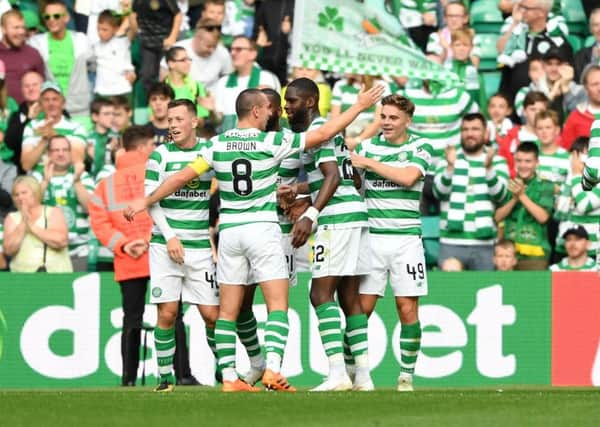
x=246 y=162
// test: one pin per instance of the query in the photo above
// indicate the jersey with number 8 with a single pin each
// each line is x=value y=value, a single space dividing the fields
x=246 y=162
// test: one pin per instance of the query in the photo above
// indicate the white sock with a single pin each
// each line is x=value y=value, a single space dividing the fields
x=337 y=366
x=257 y=361
x=229 y=374
x=273 y=362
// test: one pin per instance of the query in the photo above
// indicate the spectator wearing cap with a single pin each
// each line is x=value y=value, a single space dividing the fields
x=18 y=57
x=591 y=54
x=580 y=120
x=533 y=40
x=577 y=259
x=210 y=59
x=38 y=131
x=556 y=83
x=65 y=55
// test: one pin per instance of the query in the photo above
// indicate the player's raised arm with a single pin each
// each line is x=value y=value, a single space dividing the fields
x=366 y=98
x=169 y=186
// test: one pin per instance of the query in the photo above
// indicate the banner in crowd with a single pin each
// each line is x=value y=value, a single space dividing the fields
x=358 y=36
x=478 y=329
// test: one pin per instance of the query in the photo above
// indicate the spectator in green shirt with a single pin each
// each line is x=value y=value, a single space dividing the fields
x=527 y=209
x=184 y=87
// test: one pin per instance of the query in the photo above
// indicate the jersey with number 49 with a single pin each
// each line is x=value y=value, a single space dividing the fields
x=346 y=209
x=186 y=210
x=392 y=208
x=246 y=164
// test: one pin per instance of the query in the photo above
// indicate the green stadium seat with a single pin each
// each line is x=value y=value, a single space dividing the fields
x=589 y=41
x=486 y=17
x=489 y=53
x=575 y=42
x=430 y=226
x=573 y=12
x=491 y=82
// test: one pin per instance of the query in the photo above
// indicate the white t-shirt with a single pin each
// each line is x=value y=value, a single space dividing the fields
x=113 y=60
x=206 y=70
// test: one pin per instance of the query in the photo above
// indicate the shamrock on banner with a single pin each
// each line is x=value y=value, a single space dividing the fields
x=361 y=37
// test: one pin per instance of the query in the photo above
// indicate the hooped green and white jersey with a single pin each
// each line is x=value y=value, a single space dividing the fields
x=288 y=175
x=74 y=132
x=186 y=210
x=392 y=208
x=61 y=192
x=411 y=12
x=554 y=167
x=563 y=265
x=346 y=209
x=438 y=117
x=246 y=164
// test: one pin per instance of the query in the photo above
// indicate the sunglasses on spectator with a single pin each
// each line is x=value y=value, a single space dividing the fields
x=211 y=27
x=55 y=16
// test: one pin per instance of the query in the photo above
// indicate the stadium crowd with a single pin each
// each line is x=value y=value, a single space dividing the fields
x=84 y=84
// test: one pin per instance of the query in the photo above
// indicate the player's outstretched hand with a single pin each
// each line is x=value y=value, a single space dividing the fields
x=134 y=208
x=301 y=232
x=297 y=208
x=367 y=98
x=175 y=250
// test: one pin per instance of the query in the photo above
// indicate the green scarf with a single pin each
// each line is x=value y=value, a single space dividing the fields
x=254 y=81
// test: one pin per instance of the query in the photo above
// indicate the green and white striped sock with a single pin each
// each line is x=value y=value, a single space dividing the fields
x=348 y=357
x=246 y=329
x=276 y=335
x=410 y=343
x=357 y=327
x=225 y=341
x=330 y=329
x=164 y=344
x=210 y=340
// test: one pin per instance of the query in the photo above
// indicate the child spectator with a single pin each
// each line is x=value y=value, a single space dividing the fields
x=184 y=86
x=576 y=243
x=121 y=114
x=499 y=109
x=534 y=103
x=102 y=141
x=462 y=66
x=527 y=210
x=452 y=264
x=554 y=160
x=439 y=47
x=158 y=101
x=505 y=255
x=537 y=75
x=112 y=55
x=158 y=22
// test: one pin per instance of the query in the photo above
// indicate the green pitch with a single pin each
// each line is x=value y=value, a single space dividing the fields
x=205 y=406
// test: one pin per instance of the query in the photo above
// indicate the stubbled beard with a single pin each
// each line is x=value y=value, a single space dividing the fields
x=473 y=149
x=298 y=123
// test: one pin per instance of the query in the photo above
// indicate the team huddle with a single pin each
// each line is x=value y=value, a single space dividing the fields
x=361 y=203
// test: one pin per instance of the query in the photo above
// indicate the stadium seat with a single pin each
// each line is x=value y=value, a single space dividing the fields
x=486 y=17
x=589 y=41
x=489 y=53
x=431 y=239
x=491 y=82
x=575 y=42
x=572 y=10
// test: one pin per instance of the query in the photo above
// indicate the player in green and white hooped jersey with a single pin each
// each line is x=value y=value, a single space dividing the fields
x=341 y=250
x=395 y=165
x=181 y=265
x=66 y=185
x=246 y=161
x=576 y=243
